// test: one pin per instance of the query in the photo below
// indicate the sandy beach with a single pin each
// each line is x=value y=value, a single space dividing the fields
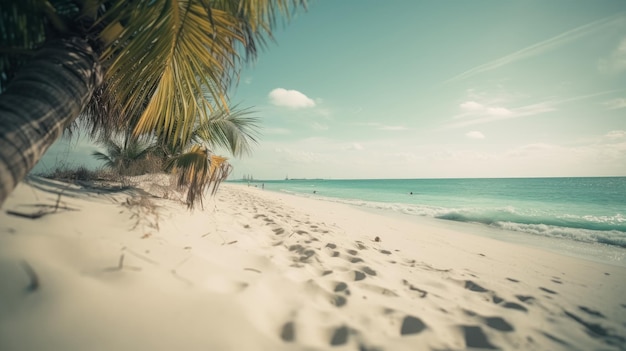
x=260 y=270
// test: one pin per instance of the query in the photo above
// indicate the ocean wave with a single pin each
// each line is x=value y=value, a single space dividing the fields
x=593 y=229
x=609 y=237
x=609 y=230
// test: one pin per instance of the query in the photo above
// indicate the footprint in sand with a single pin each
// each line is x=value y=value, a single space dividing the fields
x=341 y=286
x=510 y=305
x=340 y=336
x=470 y=285
x=494 y=322
x=304 y=252
x=525 y=298
x=475 y=337
x=412 y=325
x=556 y=280
x=591 y=312
x=368 y=270
x=597 y=331
x=498 y=323
x=288 y=333
x=339 y=300
x=548 y=290
x=360 y=245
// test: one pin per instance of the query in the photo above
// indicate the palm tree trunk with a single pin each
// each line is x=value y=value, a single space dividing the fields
x=45 y=96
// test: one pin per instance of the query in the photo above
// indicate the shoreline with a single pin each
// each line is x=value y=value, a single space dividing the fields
x=594 y=251
x=590 y=251
x=264 y=270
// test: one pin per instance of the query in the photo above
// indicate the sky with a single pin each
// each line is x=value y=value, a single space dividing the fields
x=435 y=89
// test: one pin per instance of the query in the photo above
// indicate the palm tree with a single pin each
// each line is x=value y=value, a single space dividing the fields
x=119 y=156
x=195 y=166
x=168 y=62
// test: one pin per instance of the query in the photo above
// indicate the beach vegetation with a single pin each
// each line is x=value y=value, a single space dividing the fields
x=130 y=157
x=161 y=67
x=74 y=174
x=194 y=166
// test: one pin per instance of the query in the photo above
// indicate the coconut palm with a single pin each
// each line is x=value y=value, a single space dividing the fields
x=119 y=156
x=195 y=166
x=168 y=63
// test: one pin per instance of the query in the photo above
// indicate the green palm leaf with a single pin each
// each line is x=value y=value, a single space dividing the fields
x=235 y=130
x=174 y=60
x=120 y=155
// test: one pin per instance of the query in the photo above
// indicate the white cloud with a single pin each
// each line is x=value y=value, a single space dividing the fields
x=616 y=62
x=290 y=98
x=616 y=134
x=319 y=126
x=381 y=126
x=615 y=104
x=472 y=106
x=498 y=111
x=475 y=135
x=353 y=146
x=473 y=112
x=501 y=113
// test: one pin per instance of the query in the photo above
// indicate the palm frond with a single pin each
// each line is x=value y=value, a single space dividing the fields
x=192 y=170
x=234 y=130
x=22 y=27
x=174 y=60
x=159 y=67
x=119 y=155
x=197 y=171
x=108 y=161
x=219 y=171
x=257 y=18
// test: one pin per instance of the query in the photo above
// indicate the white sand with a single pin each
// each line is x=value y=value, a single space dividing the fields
x=258 y=270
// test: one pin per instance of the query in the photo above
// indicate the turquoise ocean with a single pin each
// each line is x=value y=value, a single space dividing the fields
x=583 y=210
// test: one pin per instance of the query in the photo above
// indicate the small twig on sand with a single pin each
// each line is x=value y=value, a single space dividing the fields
x=56 y=206
x=120 y=265
x=252 y=270
x=33 y=215
x=34 y=279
